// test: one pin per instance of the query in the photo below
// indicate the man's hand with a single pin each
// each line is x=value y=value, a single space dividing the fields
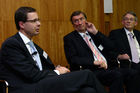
x=101 y=64
x=123 y=57
x=62 y=69
x=91 y=28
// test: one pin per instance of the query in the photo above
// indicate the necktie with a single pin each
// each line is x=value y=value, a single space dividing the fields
x=35 y=55
x=96 y=53
x=134 y=52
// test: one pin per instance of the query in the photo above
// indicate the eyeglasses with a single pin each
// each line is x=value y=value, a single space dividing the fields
x=34 y=20
x=131 y=19
x=76 y=21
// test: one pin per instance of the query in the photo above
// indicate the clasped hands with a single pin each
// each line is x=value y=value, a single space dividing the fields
x=62 y=70
x=123 y=57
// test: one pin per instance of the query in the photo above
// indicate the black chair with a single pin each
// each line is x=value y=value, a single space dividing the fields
x=3 y=83
x=3 y=86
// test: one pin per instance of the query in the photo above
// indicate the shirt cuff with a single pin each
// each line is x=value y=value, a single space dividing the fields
x=58 y=73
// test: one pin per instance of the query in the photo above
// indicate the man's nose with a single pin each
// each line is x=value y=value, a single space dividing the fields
x=80 y=22
x=38 y=23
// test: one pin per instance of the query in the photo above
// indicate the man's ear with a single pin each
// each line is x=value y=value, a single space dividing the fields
x=21 y=24
x=136 y=23
x=123 y=22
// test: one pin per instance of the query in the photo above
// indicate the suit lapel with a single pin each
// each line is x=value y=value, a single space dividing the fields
x=22 y=43
x=23 y=46
x=137 y=34
x=124 y=39
x=81 y=41
x=40 y=51
x=42 y=57
x=95 y=40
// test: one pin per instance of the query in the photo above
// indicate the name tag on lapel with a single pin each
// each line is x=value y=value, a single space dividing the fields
x=101 y=47
x=45 y=54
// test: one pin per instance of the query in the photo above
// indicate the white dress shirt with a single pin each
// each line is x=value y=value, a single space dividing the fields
x=135 y=39
x=26 y=40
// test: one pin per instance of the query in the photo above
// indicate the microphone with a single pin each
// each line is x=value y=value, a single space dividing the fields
x=34 y=53
x=90 y=39
x=133 y=36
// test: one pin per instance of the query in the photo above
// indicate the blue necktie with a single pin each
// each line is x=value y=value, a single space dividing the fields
x=35 y=55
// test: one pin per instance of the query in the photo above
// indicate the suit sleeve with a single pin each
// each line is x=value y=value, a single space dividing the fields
x=113 y=37
x=17 y=60
x=105 y=41
x=74 y=54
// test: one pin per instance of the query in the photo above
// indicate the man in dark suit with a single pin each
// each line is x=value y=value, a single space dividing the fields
x=80 y=56
x=28 y=69
x=120 y=38
x=128 y=56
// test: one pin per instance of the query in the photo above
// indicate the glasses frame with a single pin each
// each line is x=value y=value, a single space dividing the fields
x=76 y=21
x=34 y=20
x=129 y=19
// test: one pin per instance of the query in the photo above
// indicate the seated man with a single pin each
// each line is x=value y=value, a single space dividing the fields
x=86 y=48
x=28 y=69
x=127 y=50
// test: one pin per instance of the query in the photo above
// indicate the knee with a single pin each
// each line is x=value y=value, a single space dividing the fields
x=118 y=75
x=87 y=90
x=87 y=71
x=114 y=73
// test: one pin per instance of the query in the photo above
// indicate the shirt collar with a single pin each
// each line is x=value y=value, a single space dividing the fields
x=25 y=39
x=127 y=31
x=82 y=34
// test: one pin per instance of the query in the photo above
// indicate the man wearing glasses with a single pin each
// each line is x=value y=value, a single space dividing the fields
x=28 y=69
x=127 y=50
x=87 y=48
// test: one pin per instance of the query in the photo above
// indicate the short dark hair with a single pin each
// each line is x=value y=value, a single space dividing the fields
x=75 y=13
x=21 y=15
x=132 y=13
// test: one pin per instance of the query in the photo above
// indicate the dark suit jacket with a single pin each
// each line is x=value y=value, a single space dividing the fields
x=79 y=54
x=18 y=67
x=120 y=40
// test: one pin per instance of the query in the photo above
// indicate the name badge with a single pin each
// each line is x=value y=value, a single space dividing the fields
x=45 y=54
x=101 y=47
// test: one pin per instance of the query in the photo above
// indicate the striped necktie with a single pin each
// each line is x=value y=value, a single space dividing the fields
x=94 y=50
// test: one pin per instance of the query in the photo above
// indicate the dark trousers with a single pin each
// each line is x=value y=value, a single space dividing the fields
x=111 y=78
x=129 y=77
x=74 y=82
x=130 y=71
x=136 y=66
x=87 y=90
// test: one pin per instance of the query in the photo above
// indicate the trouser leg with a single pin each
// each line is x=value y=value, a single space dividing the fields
x=87 y=90
x=71 y=83
x=111 y=78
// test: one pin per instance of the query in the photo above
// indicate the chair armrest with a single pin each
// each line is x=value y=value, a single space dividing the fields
x=4 y=81
x=4 y=85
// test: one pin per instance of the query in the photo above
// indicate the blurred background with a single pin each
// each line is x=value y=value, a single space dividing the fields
x=55 y=24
